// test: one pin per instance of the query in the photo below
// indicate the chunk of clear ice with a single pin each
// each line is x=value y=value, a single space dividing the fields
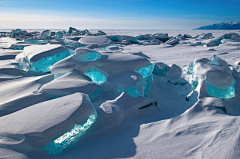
x=69 y=138
x=91 y=56
x=146 y=71
x=44 y=65
x=96 y=76
x=223 y=92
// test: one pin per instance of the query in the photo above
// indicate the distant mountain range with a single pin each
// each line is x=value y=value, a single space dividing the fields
x=221 y=26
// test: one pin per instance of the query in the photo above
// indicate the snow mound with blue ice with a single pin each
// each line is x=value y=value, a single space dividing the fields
x=113 y=94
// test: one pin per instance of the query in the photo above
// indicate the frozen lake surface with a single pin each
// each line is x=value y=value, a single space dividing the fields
x=119 y=94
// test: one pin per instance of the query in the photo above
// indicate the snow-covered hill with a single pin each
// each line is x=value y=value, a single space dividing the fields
x=222 y=26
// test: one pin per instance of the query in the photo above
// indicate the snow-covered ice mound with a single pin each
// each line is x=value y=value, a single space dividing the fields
x=214 y=74
x=34 y=127
x=40 y=58
x=100 y=94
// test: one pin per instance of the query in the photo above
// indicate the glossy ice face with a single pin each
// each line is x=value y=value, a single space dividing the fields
x=96 y=76
x=36 y=41
x=223 y=93
x=91 y=56
x=69 y=138
x=44 y=65
x=146 y=71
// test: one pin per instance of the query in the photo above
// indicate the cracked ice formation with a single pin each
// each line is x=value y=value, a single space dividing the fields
x=59 y=34
x=35 y=41
x=130 y=82
x=160 y=69
x=40 y=58
x=72 y=43
x=146 y=71
x=87 y=55
x=224 y=92
x=172 y=41
x=69 y=138
x=215 y=75
x=91 y=56
x=135 y=91
x=44 y=65
x=46 y=34
x=132 y=91
x=96 y=76
x=218 y=40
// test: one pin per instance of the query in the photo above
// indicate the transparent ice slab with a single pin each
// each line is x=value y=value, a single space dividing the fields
x=18 y=47
x=73 y=44
x=44 y=65
x=132 y=91
x=223 y=92
x=140 y=89
x=36 y=41
x=69 y=138
x=96 y=76
x=91 y=56
x=160 y=70
x=146 y=71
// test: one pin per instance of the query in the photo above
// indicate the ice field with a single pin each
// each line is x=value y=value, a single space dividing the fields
x=119 y=94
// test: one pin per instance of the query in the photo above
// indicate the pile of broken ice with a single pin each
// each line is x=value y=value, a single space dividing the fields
x=83 y=74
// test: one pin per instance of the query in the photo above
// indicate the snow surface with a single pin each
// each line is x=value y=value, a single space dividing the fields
x=119 y=94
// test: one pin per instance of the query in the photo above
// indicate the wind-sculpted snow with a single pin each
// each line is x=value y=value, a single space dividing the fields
x=119 y=94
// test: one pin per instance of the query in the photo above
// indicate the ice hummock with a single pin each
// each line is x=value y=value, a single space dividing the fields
x=100 y=40
x=37 y=125
x=214 y=74
x=40 y=58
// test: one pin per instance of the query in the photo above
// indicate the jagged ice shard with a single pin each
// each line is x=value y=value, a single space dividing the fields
x=215 y=74
x=146 y=71
x=69 y=138
x=96 y=76
x=40 y=58
x=137 y=90
x=35 y=41
x=160 y=69
x=44 y=65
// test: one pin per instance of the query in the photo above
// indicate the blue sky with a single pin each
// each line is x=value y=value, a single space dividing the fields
x=116 y=14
